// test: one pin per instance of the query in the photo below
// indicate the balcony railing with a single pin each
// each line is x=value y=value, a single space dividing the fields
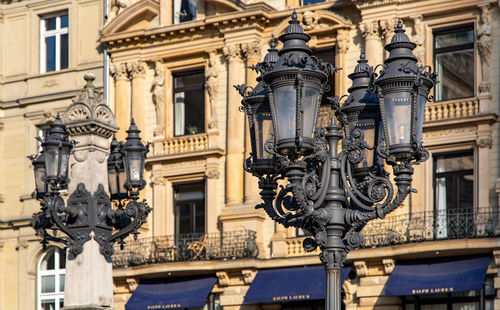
x=458 y=108
x=420 y=227
x=427 y=226
x=188 y=247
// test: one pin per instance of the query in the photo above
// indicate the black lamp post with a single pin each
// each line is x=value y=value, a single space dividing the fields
x=332 y=195
x=85 y=213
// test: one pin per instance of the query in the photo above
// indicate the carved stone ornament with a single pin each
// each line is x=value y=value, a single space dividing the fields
x=388 y=265
x=212 y=86
x=232 y=52
x=89 y=113
x=361 y=268
x=418 y=38
x=496 y=258
x=212 y=174
x=369 y=30
x=223 y=278
x=248 y=275
x=309 y=20
x=484 y=43
x=343 y=40
x=252 y=50
x=137 y=69
x=158 y=90
x=132 y=284
x=119 y=71
x=117 y=6
x=485 y=141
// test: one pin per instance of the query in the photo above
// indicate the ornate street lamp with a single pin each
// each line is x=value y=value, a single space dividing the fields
x=88 y=216
x=332 y=195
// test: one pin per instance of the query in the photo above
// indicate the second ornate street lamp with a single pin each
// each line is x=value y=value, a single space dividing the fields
x=330 y=195
x=88 y=215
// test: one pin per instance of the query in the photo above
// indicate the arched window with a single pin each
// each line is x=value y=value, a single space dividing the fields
x=50 y=280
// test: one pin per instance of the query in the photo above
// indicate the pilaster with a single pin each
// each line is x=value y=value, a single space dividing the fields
x=342 y=46
x=235 y=127
x=373 y=46
x=137 y=70
x=386 y=30
x=122 y=97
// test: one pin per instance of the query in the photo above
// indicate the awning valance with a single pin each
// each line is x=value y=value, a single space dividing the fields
x=171 y=294
x=444 y=275
x=289 y=284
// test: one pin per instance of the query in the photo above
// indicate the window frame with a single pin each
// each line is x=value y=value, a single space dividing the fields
x=302 y=2
x=182 y=73
x=57 y=33
x=58 y=296
x=177 y=6
x=203 y=184
x=442 y=50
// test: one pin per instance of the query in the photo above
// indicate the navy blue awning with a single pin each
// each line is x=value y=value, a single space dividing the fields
x=453 y=274
x=171 y=294
x=290 y=284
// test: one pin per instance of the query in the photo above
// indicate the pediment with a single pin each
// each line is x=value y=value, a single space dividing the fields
x=137 y=16
x=316 y=21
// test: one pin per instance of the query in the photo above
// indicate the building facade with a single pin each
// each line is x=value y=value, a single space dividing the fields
x=174 y=64
x=173 y=67
x=47 y=47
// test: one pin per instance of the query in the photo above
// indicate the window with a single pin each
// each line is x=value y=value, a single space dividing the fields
x=184 y=10
x=454 y=194
x=327 y=55
x=54 y=42
x=308 y=2
x=189 y=204
x=470 y=300
x=42 y=132
x=454 y=62
x=51 y=271
x=189 y=103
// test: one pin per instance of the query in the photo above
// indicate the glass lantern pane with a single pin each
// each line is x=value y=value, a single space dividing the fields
x=63 y=172
x=263 y=131
x=122 y=177
x=422 y=100
x=285 y=107
x=135 y=167
x=310 y=100
x=368 y=129
x=112 y=182
x=51 y=161
x=398 y=112
x=48 y=284
x=39 y=183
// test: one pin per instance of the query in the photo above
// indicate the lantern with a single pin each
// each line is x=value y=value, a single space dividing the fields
x=259 y=117
x=362 y=111
x=403 y=88
x=56 y=148
x=134 y=155
x=116 y=172
x=295 y=87
x=39 y=169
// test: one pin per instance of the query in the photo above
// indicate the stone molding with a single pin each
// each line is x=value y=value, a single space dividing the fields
x=89 y=113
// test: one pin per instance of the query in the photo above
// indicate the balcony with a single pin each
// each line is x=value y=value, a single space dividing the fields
x=421 y=227
x=458 y=108
x=188 y=247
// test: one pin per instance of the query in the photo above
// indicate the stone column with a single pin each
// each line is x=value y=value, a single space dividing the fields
x=235 y=126
x=122 y=98
x=342 y=46
x=252 y=54
x=89 y=277
x=137 y=71
x=484 y=142
x=373 y=47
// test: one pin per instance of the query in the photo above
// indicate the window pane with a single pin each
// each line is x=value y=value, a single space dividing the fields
x=307 y=2
x=61 y=283
x=48 y=284
x=455 y=38
x=50 y=23
x=456 y=74
x=48 y=261
x=179 y=113
x=189 y=104
x=62 y=259
x=199 y=226
x=449 y=164
x=49 y=304
x=64 y=21
x=188 y=10
x=50 y=53
x=190 y=208
x=466 y=306
x=64 y=51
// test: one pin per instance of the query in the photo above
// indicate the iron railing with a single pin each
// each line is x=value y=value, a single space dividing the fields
x=187 y=247
x=427 y=226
